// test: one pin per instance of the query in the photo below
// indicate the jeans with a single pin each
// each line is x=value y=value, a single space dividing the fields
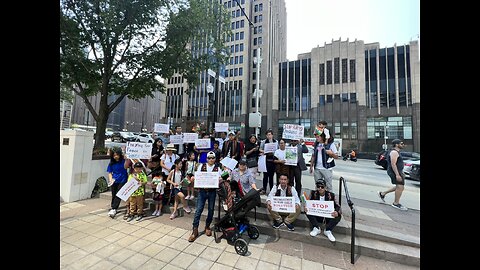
x=203 y=196
x=268 y=176
x=116 y=200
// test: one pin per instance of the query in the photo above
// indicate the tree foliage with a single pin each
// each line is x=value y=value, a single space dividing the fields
x=123 y=47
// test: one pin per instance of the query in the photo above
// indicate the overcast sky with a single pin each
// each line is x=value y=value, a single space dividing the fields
x=314 y=22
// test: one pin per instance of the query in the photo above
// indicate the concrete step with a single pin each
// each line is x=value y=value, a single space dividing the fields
x=370 y=241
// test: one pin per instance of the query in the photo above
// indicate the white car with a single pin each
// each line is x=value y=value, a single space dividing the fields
x=407 y=166
x=308 y=156
x=144 y=138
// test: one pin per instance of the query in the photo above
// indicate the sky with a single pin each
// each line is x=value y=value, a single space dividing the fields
x=314 y=22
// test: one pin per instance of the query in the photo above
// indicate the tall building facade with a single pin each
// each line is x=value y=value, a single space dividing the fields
x=367 y=94
x=263 y=28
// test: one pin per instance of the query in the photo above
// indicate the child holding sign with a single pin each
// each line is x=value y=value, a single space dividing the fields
x=136 y=199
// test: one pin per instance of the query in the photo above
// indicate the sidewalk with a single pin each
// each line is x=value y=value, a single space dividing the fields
x=89 y=239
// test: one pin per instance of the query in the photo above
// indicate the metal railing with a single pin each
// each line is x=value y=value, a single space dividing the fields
x=350 y=204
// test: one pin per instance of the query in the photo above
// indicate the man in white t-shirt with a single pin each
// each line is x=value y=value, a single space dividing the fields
x=319 y=161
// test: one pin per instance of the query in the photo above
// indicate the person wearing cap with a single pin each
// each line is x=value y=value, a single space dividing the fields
x=205 y=194
x=319 y=165
x=395 y=172
x=202 y=152
x=136 y=199
x=320 y=194
x=232 y=148
x=168 y=158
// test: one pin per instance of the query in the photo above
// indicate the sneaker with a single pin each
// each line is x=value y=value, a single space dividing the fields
x=187 y=197
x=382 y=197
x=159 y=213
x=315 y=232
x=399 y=206
x=192 y=197
x=290 y=226
x=139 y=217
x=329 y=235
x=187 y=209
x=112 y=213
x=130 y=218
x=174 y=215
x=154 y=213
x=277 y=225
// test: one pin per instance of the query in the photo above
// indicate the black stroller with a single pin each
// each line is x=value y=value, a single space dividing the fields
x=234 y=223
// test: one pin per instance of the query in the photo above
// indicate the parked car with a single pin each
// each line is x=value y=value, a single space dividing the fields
x=123 y=136
x=381 y=160
x=415 y=172
x=308 y=156
x=108 y=134
x=407 y=166
x=145 y=138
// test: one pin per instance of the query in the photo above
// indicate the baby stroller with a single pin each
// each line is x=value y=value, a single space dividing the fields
x=234 y=223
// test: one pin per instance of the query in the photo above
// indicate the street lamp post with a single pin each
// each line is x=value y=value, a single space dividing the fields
x=385 y=137
x=211 y=101
x=258 y=61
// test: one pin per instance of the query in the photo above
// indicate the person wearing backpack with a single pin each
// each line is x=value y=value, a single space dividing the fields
x=205 y=194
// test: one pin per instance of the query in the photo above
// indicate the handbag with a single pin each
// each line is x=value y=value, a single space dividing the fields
x=252 y=162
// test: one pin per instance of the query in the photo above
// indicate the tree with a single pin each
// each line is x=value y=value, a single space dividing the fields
x=123 y=47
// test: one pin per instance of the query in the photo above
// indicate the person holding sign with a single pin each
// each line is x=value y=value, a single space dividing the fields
x=321 y=194
x=280 y=160
x=117 y=177
x=268 y=176
x=136 y=199
x=283 y=190
x=205 y=194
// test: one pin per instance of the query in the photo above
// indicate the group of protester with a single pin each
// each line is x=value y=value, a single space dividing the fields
x=173 y=167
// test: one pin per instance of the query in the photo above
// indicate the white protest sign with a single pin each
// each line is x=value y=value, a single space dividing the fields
x=291 y=155
x=283 y=204
x=221 y=127
x=176 y=139
x=206 y=180
x=161 y=128
x=189 y=137
x=229 y=163
x=320 y=208
x=270 y=147
x=202 y=143
x=127 y=189
x=138 y=150
x=262 y=163
x=291 y=131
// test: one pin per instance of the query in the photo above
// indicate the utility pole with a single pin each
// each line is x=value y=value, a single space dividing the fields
x=257 y=60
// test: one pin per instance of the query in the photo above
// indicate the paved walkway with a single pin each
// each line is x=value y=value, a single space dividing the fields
x=89 y=239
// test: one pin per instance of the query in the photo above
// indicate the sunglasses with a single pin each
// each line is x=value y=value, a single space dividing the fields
x=319 y=186
x=210 y=157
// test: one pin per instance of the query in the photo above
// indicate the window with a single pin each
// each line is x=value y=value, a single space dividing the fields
x=260 y=18
x=329 y=99
x=233 y=14
x=237 y=36
x=255 y=19
x=254 y=52
x=254 y=41
x=352 y=70
x=260 y=7
x=240 y=71
x=241 y=59
x=321 y=100
x=237 y=24
x=230 y=3
x=345 y=97
x=233 y=25
x=344 y=70
x=241 y=47
x=353 y=98
x=241 y=35
x=236 y=60
x=255 y=30
x=256 y=8
x=238 y=13
x=260 y=41
x=235 y=73
x=242 y=23
x=259 y=29
x=322 y=74
x=231 y=60
x=336 y=70
x=329 y=72
x=236 y=47
x=254 y=75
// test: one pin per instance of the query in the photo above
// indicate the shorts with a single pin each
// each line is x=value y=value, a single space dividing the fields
x=175 y=191
x=393 y=178
x=157 y=197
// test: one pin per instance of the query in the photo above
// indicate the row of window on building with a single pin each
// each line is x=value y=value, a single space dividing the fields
x=232 y=3
x=336 y=71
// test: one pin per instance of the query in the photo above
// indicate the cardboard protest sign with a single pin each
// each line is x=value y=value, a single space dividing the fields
x=138 y=150
x=270 y=148
x=291 y=155
x=221 y=127
x=202 y=143
x=320 y=208
x=127 y=189
x=161 y=128
x=283 y=204
x=176 y=139
x=189 y=137
x=291 y=131
x=229 y=163
x=206 y=180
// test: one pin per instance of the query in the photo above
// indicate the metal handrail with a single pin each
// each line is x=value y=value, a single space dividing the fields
x=350 y=204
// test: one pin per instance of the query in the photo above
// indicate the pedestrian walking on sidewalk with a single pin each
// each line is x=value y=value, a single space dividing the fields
x=395 y=172
x=117 y=177
x=321 y=194
x=205 y=194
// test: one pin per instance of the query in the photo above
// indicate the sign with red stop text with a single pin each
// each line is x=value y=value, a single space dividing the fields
x=320 y=208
